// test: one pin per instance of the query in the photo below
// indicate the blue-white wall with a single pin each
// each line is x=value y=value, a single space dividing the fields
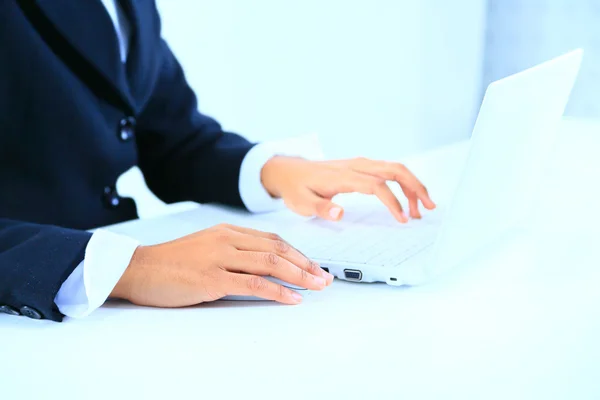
x=522 y=33
x=380 y=78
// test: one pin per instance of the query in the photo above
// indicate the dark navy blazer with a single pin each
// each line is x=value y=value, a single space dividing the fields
x=73 y=118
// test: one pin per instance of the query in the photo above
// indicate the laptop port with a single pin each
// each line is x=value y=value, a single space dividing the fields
x=353 y=274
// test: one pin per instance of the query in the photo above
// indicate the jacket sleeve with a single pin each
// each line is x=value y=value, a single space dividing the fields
x=34 y=262
x=183 y=154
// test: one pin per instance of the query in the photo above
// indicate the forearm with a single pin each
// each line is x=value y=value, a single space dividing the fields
x=184 y=154
x=206 y=172
x=35 y=260
x=107 y=257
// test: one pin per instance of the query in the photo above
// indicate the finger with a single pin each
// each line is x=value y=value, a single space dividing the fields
x=253 y=232
x=366 y=184
x=387 y=197
x=408 y=180
x=311 y=204
x=413 y=203
x=270 y=264
x=272 y=243
x=413 y=206
x=252 y=285
x=396 y=172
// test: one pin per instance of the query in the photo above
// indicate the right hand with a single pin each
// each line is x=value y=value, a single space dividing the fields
x=217 y=262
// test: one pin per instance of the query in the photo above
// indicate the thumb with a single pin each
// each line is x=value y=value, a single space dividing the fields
x=326 y=209
x=308 y=203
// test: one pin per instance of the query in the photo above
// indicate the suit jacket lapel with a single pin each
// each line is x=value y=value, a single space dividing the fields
x=86 y=25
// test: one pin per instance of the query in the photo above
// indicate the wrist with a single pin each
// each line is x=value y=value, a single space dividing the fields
x=277 y=172
x=270 y=175
x=126 y=285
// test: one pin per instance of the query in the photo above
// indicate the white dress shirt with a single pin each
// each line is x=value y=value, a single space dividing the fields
x=107 y=254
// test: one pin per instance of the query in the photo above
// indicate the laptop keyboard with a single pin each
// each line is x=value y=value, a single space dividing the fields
x=373 y=238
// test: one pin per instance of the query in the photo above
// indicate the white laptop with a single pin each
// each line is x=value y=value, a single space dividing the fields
x=512 y=138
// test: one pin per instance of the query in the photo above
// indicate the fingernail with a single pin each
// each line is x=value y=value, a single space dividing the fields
x=330 y=278
x=335 y=212
x=297 y=298
x=403 y=216
x=321 y=270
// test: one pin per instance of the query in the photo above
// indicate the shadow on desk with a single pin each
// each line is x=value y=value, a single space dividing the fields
x=347 y=292
x=125 y=305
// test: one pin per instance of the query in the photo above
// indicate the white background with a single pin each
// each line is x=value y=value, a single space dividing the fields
x=382 y=78
x=379 y=78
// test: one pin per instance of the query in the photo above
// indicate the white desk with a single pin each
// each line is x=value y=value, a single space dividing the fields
x=502 y=328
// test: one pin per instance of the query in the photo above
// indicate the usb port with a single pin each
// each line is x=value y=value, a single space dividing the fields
x=353 y=274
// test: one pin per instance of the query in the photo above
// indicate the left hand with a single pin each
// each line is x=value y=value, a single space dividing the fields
x=307 y=187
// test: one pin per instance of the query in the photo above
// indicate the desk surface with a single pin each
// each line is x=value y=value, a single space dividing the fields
x=505 y=327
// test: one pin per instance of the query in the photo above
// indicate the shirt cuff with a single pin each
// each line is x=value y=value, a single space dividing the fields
x=254 y=196
x=107 y=256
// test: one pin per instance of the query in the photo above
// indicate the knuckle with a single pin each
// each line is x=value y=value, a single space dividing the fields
x=274 y=236
x=313 y=268
x=281 y=247
x=256 y=284
x=303 y=275
x=223 y=235
x=378 y=185
x=400 y=171
x=281 y=292
x=271 y=259
x=396 y=166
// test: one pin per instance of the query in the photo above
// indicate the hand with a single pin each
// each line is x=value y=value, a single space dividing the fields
x=307 y=187
x=216 y=262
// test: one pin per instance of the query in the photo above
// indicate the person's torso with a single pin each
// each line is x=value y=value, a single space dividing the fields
x=68 y=108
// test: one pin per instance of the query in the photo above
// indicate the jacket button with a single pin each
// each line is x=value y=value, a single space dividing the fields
x=111 y=197
x=30 y=312
x=127 y=129
x=9 y=310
